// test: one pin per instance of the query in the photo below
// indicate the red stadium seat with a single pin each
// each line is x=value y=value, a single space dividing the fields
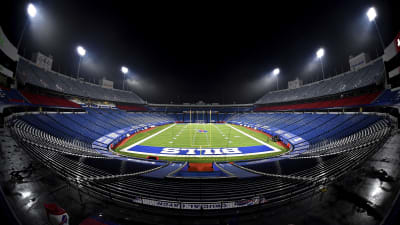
x=131 y=108
x=49 y=101
x=344 y=102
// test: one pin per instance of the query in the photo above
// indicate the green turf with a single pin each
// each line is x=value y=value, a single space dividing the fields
x=187 y=136
x=140 y=136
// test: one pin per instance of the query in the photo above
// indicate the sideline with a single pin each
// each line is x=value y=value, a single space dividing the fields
x=145 y=139
x=259 y=141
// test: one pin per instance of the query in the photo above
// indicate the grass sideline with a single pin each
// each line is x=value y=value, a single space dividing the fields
x=189 y=136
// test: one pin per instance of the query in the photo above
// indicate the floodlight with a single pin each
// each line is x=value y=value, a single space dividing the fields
x=371 y=13
x=81 y=51
x=276 y=72
x=31 y=10
x=124 y=70
x=320 y=53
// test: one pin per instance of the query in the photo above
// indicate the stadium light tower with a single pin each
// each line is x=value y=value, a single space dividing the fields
x=81 y=52
x=124 y=70
x=372 y=14
x=320 y=53
x=32 y=11
x=276 y=72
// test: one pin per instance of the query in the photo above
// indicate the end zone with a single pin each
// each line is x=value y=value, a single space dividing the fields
x=200 y=152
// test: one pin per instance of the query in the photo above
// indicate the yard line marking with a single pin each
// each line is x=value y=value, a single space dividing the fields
x=259 y=141
x=180 y=131
x=147 y=138
x=194 y=136
x=222 y=133
x=196 y=131
x=204 y=134
x=208 y=139
x=219 y=130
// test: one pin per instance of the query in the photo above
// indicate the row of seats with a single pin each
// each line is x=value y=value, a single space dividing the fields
x=38 y=99
x=312 y=127
x=371 y=134
x=90 y=158
x=328 y=154
x=13 y=96
x=388 y=98
x=131 y=108
x=10 y=96
x=87 y=127
x=372 y=74
x=343 y=102
x=73 y=147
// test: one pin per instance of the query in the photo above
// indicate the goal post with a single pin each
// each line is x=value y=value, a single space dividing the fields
x=210 y=128
x=201 y=116
x=201 y=129
x=190 y=116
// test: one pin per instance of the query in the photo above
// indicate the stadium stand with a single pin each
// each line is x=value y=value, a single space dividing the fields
x=29 y=73
x=10 y=96
x=87 y=127
x=344 y=102
x=372 y=74
x=131 y=108
x=299 y=130
x=38 y=99
x=388 y=97
x=60 y=141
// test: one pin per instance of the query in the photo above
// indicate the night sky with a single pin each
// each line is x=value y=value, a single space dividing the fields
x=190 y=52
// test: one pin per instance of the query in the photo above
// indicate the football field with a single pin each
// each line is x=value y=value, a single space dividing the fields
x=200 y=142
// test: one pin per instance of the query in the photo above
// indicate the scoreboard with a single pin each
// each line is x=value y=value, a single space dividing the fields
x=43 y=61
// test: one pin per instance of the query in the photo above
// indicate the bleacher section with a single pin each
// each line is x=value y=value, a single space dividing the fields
x=388 y=98
x=29 y=73
x=303 y=131
x=88 y=127
x=369 y=75
x=10 y=96
x=132 y=108
x=88 y=161
x=341 y=142
x=45 y=100
x=329 y=154
x=344 y=102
